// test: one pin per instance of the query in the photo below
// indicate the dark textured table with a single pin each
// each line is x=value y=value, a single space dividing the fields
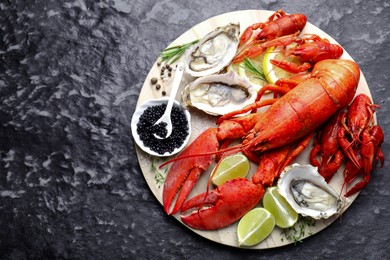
x=70 y=76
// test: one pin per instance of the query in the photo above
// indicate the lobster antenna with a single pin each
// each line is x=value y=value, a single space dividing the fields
x=236 y=147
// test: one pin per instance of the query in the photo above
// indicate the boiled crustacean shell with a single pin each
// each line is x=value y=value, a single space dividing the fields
x=308 y=193
x=213 y=52
x=219 y=94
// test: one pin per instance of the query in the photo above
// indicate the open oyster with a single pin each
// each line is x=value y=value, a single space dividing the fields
x=219 y=94
x=213 y=52
x=308 y=193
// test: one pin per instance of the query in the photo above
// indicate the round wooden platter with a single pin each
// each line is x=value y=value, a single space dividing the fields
x=200 y=121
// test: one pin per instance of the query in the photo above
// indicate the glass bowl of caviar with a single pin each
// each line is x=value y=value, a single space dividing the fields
x=147 y=135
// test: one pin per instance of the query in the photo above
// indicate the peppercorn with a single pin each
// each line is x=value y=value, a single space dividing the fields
x=158 y=86
x=163 y=92
x=153 y=80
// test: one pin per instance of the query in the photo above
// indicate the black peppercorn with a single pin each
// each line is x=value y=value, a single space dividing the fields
x=153 y=80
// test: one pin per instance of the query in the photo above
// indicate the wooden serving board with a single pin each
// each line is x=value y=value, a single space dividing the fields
x=201 y=121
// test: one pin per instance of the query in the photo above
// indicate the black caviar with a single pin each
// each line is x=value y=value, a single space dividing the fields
x=146 y=129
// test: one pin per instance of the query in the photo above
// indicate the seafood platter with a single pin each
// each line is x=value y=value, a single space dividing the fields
x=274 y=89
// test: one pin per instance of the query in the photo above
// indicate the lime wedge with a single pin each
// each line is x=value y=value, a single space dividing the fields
x=231 y=167
x=255 y=226
x=285 y=215
x=271 y=72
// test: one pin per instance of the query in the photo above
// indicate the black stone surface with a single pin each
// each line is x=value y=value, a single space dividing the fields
x=70 y=76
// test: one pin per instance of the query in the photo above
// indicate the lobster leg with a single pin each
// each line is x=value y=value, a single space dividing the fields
x=259 y=103
x=347 y=146
x=257 y=47
x=351 y=171
x=291 y=66
x=184 y=174
x=222 y=206
x=274 y=161
x=327 y=148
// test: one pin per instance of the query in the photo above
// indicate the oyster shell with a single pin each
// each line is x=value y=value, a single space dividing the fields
x=219 y=94
x=308 y=193
x=213 y=52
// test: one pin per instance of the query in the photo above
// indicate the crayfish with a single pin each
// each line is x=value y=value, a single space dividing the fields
x=282 y=29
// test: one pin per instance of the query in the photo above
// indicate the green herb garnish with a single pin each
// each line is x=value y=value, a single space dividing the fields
x=297 y=232
x=159 y=176
x=172 y=54
x=248 y=65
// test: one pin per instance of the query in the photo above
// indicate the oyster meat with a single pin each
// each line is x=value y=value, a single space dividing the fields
x=308 y=193
x=219 y=94
x=213 y=52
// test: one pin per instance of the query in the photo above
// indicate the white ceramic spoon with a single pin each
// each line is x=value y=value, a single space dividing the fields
x=166 y=117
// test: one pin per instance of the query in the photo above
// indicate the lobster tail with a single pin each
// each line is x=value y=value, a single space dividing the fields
x=339 y=78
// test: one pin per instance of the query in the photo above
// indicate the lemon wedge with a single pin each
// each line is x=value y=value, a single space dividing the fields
x=231 y=167
x=285 y=215
x=245 y=72
x=255 y=226
x=271 y=72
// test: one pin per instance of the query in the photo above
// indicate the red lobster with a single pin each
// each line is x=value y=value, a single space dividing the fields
x=360 y=141
x=290 y=119
x=277 y=25
x=309 y=50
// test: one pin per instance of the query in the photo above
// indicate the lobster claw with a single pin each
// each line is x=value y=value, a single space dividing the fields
x=184 y=174
x=223 y=205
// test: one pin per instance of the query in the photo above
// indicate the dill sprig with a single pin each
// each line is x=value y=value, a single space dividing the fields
x=248 y=65
x=297 y=232
x=159 y=176
x=172 y=54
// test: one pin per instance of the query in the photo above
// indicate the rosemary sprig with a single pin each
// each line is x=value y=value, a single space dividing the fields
x=248 y=65
x=172 y=54
x=297 y=232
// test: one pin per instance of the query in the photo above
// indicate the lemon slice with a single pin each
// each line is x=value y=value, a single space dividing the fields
x=271 y=72
x=285 y=215
x=231 y=167
x=235 y=67
x=250 y=75
x=255 y=226
x=244 y=72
